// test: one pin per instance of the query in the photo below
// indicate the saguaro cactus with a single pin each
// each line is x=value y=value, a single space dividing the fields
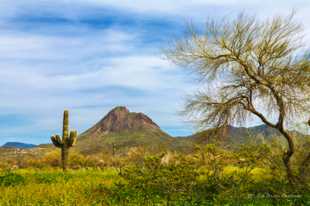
x=67 y=140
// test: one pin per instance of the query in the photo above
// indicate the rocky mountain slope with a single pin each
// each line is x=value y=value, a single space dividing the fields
x=121 y=129
x=121 y=119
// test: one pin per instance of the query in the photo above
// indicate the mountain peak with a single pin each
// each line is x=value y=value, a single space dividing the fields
x=120 y=119
x=123 y=129
x=120 y=109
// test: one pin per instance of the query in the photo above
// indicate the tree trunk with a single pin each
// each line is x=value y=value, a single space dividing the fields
x=304 y=165
x=288 y=155
x=303 y=168
x=64 y=158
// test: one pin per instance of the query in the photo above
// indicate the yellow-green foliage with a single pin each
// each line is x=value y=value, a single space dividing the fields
x=210 y=176
x=181 y=181
x=43 y=187
x=256 y=174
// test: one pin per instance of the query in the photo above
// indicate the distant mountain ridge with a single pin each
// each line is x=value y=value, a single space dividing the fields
x=234 y=136
x=123 y=129
x=19 y=145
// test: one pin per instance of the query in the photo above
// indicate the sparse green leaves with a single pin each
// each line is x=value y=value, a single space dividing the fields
x=255 y=61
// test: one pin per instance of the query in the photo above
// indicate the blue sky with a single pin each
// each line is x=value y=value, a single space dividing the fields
x=91 y=55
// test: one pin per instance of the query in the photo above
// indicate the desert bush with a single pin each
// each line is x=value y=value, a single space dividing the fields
x=11 y=179
x=245 y=178
x=155 y=183
x=51 y=177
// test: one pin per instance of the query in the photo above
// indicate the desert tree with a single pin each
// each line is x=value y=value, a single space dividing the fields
x=248 y=67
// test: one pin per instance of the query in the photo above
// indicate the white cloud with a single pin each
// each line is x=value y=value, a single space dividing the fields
x=23 y=45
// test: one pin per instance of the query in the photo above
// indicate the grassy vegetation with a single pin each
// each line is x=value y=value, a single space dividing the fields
x=53 y=187
x=251 y=175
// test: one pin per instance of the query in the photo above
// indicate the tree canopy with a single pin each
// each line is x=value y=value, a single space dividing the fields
x=263 y=65
x=262 y=68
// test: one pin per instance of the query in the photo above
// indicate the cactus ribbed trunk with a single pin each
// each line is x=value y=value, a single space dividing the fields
x=65 y=135
x=64 y=158
x=65 y=128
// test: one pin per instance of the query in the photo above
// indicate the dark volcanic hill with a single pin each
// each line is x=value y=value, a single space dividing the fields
x=120 y=119
x=123 y=129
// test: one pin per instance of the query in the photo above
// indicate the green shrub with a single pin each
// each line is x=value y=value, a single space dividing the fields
x=51 y=177
x=11 y=179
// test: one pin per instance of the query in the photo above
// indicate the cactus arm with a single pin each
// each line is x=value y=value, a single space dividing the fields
x=72 y=138
x=57 y=141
